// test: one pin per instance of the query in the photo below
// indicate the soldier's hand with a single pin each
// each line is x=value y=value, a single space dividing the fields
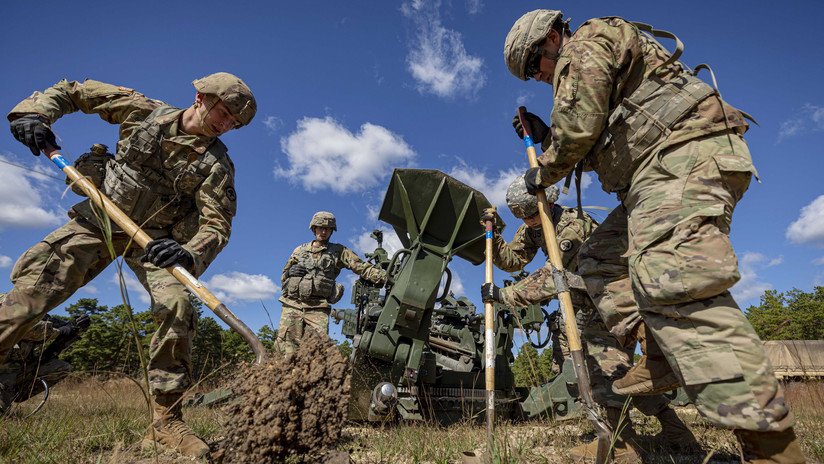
x=165 y=252
x=490 y=293
x=81 y=322
x=538 y=126
x=490 y=214
x=297 y=270
x=66 y=330
x=533 y=186
x=33 y=131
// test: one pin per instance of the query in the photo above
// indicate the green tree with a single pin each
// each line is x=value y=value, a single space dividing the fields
x=267 y=336
x=531 y=368
x=791 y=315
x=108 y=344
x=345 y=348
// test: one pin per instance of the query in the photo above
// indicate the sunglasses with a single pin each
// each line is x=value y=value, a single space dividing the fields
x=533 y=63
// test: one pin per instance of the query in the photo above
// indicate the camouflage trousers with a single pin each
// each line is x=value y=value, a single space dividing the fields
x=71 y=256
x=293 y=323
x=607 y=360
x=681 y=265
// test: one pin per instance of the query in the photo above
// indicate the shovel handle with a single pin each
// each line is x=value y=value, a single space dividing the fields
x=142 y=239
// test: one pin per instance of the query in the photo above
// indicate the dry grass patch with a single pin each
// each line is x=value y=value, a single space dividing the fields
x=94 y=421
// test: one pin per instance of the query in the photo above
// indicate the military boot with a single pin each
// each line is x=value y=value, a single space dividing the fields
x=675 y=436
x=169 y=429
x=769 y=447
x=623 y=449
x=652 y=373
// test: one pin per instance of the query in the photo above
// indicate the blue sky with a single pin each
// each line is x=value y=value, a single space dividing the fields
x=347 y=91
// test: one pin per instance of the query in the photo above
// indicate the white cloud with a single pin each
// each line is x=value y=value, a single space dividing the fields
x=810 y=118
x=5 y=261
x=752 y=286
x=133 y=286
x=437 y=58
x=474 y=6
x=363 y=243
x=809 y=227
x=21 y=202
x=323 y=154
x=272 y=123
x=492 y=186
x=819 y=261
x=236 y=286
x=90 y=289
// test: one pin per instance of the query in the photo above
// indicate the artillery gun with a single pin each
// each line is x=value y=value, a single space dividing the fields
x=417 y=352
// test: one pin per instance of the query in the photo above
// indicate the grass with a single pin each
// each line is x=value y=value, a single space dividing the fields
x=103 y=421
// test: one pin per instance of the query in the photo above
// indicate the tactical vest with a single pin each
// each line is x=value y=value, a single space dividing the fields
x=644 y=119
x=319 y=281
x=151 y=187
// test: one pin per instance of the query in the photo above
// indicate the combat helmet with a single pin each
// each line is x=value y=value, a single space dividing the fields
x=232 y=91
x=521 y=203
x=527 y=32
x=323 y=219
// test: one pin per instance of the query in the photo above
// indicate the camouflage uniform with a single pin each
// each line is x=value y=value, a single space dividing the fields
x=307 y=300
x=161 y=177
x=608 y=359
x=679 y=177
x=18 y=373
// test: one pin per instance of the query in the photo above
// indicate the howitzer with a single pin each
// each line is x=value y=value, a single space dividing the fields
x=418 y=354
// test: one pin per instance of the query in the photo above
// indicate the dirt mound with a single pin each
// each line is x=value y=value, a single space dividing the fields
x=293 y=405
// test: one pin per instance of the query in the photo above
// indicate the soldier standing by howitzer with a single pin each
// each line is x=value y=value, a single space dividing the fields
x=673 y=151
x=607 y=358
x=308 y=280
x=170 y=169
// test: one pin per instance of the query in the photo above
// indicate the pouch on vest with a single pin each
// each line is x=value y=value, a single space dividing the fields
x=640 y=122
x=92 y=166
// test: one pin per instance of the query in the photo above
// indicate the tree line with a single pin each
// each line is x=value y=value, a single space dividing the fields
x=109 y=344
x=791 y=315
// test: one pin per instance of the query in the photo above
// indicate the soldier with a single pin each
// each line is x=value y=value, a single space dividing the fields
x=26 y=363
x=308 y=281
x=607 y=358
x=170 y=167
x=674 y=153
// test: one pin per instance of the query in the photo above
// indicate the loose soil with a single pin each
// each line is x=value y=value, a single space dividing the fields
x=291 y=406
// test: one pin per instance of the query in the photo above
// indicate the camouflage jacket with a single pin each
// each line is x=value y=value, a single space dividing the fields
x=514 y=256
x=198 y=168
x=571 y=233
x=324 y=261
x=600 y=65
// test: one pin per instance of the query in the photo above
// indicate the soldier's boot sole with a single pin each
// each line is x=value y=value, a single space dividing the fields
x=647 y=377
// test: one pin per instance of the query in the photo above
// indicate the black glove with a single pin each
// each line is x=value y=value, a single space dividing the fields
x=81 y=322
x=490 y=293
x=297 y=270
x=33 y=131
x=531 y=181
x=66 y=330
x=539 y=128
x=165 y=252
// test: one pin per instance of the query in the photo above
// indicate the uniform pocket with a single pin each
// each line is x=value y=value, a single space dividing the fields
x=709 y=365
x=696 y=262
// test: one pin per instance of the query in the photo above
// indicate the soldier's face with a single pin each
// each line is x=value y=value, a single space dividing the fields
x=216 y=118
x=322 y=233
x=533 y=222
x=546 y=69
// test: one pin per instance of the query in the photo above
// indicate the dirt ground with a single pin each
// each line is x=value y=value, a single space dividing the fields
x=289 y=407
